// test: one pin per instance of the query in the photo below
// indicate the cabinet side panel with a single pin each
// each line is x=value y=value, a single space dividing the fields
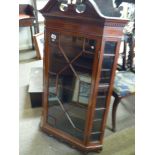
x=105 y=77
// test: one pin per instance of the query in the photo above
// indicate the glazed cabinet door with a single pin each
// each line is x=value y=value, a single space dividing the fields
x=107 y=68
x=70 y=69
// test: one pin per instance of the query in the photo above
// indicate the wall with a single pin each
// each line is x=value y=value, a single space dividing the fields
x=24 y=32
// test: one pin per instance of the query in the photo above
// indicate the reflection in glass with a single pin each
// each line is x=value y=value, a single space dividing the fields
x=70 y=71
x=97 y=126
x=81 y=89
x=105 y=76
x=99 y=113
x=108 y=62
x=95 y=136
x=101 y=102
x=102 y=90
x=110 y=47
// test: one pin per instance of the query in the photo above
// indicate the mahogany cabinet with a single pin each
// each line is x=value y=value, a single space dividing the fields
x=80 y=56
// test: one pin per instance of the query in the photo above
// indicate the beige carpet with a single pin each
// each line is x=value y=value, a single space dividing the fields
x=34 y=142
x=120 y=143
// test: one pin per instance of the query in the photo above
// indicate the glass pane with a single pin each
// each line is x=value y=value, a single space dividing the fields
x=60 y=118
x=101 y=102
x=105 y=73
x=95 y=137
x=70 y=71
x=105 y=76
x=103 y=90
x=97 y=126
x=84 y=64
x=110 y=47
x=71 y=46
x=99 y=114
x=81 y=94
x=108 y=62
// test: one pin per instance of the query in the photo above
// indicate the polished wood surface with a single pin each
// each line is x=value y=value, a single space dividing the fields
x=26 y=16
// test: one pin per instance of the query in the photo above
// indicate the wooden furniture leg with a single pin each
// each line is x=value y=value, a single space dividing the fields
x=114 y=108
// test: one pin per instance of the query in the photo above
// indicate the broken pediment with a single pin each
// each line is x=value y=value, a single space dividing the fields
x=81 y=9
